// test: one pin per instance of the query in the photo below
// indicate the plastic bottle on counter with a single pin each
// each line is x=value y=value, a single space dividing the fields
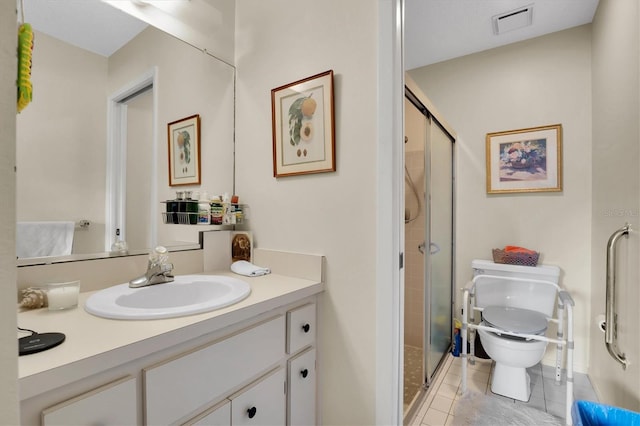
x=237 y=210
x=216 y=211
x=204 y=209
x=204 y=213
x=228 y=215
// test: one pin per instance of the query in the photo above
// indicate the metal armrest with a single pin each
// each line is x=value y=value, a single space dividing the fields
x=566 y=298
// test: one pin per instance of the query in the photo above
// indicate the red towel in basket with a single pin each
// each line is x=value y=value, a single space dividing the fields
x=516 y=249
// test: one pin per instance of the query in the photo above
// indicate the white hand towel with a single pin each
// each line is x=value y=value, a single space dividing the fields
x=242 y=267
x=37 y=239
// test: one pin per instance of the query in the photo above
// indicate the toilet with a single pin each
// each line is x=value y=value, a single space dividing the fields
x=520 y=300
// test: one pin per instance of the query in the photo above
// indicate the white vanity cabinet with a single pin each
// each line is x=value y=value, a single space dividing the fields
x=301 y=366
x=97 y=407
x=260 y=371
x=263 y=403
x=301 y=404
x=301 y=327
x=220 y=415
x=177 y=387
x=283 y=396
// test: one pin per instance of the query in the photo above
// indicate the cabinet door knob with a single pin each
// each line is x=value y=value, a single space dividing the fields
x=304 y=373
x=306 y=328
x=252 y=412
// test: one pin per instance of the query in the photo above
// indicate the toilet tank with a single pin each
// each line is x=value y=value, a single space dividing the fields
x=502 y=291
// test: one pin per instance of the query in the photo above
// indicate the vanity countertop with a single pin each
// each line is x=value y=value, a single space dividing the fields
x=96 y=344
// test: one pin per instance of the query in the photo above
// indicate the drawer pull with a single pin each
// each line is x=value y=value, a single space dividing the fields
x=252 y=412
x=304 y=373
x=306 y=328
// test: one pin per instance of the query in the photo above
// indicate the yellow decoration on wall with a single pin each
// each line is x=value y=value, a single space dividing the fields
x=25 y=49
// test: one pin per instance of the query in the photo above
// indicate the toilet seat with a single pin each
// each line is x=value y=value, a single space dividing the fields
x=515 y=320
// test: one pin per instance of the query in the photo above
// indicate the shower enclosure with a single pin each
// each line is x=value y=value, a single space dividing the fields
x=428 y=247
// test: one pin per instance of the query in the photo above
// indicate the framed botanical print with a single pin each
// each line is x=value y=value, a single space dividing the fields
x=303 y=126
x=184 y=151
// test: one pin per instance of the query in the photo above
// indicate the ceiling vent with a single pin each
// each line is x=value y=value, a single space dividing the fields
x=512 y=20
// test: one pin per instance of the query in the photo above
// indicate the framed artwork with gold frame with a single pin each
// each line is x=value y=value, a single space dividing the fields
x=525 y=160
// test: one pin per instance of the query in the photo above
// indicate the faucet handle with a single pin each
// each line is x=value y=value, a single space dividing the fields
x=159 y=256
x=166 y=267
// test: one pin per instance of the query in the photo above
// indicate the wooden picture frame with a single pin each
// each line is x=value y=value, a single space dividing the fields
x=184 y=151
x=303 y=126
x=525 y=160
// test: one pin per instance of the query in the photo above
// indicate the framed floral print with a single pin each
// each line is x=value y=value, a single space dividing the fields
x=303 y=126
x=525 y=160
x=184 y=151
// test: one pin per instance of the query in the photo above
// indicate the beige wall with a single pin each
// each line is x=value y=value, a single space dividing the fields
x=537 y=82
x=616 y=192
x=61 y=141
x=8 y=342
x=332 y=213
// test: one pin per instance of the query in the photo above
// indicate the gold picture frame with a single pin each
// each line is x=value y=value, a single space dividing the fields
x=303 y=126
x=184 y=151
x=525 y=160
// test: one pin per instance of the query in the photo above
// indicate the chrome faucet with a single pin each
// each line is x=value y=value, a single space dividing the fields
x=158 y=270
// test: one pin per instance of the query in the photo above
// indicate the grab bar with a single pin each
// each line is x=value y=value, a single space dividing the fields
x=611 y=328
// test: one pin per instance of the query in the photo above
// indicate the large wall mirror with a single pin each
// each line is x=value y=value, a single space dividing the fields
x=65 y=153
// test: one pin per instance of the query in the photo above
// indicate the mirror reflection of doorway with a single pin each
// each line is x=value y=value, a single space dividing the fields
x=132 y=166
x=139 y=149
x=428 y=249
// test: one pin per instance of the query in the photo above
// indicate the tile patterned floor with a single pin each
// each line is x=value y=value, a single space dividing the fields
x=437 y=408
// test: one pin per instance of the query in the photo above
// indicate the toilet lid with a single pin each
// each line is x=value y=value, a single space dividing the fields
x=515 y=320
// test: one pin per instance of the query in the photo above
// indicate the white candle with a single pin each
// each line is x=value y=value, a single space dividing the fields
x=63 y=296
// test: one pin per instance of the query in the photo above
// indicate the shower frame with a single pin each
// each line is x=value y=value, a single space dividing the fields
x=429 y=371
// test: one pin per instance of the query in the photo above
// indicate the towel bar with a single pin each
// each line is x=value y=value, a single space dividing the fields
x=84 y=223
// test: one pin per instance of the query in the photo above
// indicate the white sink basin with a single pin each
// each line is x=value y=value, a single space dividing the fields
x=186 y=295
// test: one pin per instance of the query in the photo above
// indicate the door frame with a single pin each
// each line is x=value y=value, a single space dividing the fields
x=116 y=166
x=389 y=271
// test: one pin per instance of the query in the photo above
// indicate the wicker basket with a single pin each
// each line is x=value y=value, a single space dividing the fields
x=512 y=258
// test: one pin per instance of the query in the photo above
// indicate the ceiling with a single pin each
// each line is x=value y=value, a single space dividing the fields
x=103 y=28
x=438 y=30
x=435 y=30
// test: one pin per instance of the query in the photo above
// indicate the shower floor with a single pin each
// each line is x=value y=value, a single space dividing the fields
x=413 y=375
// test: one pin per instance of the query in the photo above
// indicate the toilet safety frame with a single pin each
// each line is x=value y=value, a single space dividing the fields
x=564 y=307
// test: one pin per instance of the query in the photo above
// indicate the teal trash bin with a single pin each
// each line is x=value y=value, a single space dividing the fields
x=589 y=413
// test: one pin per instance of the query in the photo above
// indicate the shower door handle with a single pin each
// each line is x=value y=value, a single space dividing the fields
x=611 y=333
x=433 y=248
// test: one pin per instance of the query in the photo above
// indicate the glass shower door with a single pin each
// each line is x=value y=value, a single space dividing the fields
x=438 y=258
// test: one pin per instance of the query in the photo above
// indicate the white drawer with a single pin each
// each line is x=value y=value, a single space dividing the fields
x=220 y=415
x=302 y=389
x=261 y=404
x=301 y=327
x=181 y=386
x=98 y=406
